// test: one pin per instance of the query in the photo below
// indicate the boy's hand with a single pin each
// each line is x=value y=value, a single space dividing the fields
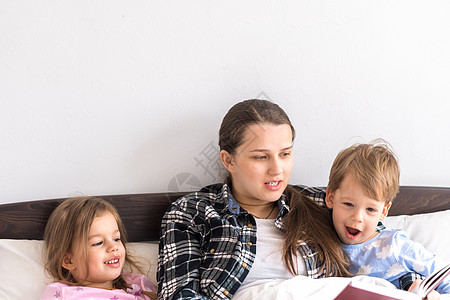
x=431 y=296
x=434 y=295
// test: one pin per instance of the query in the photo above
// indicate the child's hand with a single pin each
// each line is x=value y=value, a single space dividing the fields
x=434 y=295
x=431 y=296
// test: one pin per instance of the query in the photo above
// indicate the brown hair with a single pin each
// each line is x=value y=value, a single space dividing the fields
x=310 y=223
x=374 y=166
x=245 y=113
x=68 y=225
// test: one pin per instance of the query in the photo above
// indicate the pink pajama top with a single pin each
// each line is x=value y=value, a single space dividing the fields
x=138 y=283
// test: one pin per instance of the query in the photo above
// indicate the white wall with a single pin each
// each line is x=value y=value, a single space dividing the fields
x=106 y=97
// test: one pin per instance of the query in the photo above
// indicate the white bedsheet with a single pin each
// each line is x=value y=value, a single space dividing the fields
x=301 y=287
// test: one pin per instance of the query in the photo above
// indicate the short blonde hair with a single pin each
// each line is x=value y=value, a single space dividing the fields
x=374 y=166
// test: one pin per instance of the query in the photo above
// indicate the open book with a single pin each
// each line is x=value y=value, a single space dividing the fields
x=431 y=282
x=358 y=290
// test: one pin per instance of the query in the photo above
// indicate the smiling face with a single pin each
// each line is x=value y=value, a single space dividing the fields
x=105 y=251
x=262 y=164
x=355 y=215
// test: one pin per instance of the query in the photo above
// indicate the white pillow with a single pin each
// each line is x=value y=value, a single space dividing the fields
x=21 y=269
x=22 y=274
x=146 y=255
x=431 y=230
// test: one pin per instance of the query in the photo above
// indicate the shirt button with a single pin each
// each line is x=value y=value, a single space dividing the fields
x=212 y=251
x=249 y=225
x=234 y=208
x=226 y=293
x=244 y=265
x=249 y=243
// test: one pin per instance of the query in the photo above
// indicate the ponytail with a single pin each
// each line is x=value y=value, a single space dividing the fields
x=310 y=223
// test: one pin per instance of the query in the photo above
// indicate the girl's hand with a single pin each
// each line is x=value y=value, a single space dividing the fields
x=431 y=296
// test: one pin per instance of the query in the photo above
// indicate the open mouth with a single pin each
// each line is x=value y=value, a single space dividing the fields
x=352 y=233
x=112 y=261
x=273 y=185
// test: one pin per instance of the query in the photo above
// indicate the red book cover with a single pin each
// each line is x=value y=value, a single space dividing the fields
x=354 y=293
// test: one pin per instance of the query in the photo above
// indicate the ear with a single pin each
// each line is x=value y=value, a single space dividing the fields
x=385 y=211
x=329 y=199
x=227 y=160
x=67 y=262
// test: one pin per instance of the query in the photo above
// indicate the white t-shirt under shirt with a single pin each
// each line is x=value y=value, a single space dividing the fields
x=269 y=265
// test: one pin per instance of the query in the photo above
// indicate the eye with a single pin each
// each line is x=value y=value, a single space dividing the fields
x=370 y=209
x=261 y=157
x=285 y=154
x=98 y=243
x=117 y=240
x=348 y=204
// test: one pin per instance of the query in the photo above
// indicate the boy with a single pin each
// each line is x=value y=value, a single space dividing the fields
x=363 y=182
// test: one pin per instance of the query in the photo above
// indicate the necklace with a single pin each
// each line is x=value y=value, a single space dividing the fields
x=271 y=211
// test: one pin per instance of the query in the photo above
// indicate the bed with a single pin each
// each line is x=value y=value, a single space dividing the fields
x=424 y=212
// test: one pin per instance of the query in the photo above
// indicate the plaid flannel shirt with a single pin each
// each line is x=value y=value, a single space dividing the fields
x=208 y=244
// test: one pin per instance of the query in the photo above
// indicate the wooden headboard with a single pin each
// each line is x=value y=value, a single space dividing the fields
x=142 y=213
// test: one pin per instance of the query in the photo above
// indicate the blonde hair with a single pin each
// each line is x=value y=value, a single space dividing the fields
x=374 y=166
x=68 y=225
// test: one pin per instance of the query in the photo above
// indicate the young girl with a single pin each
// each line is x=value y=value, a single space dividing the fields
x=85 y=254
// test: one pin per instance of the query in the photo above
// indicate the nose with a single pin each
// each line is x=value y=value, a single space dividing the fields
x=113 y=247
x=275 y=166
x=357 y=215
